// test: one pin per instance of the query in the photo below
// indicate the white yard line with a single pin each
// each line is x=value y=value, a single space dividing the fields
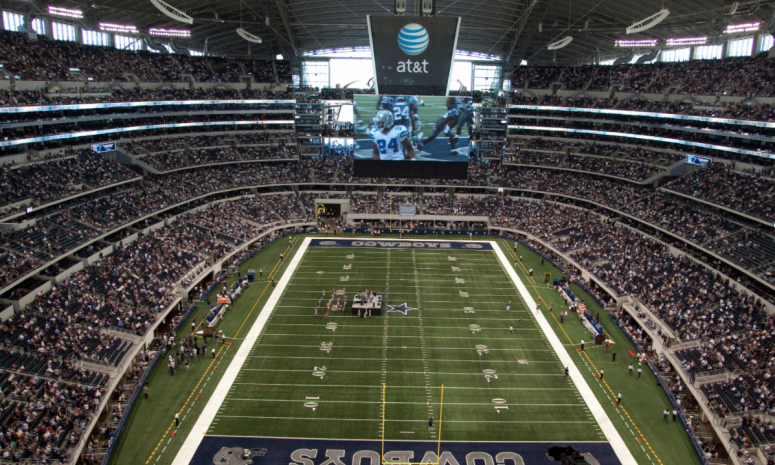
x=408 y=336
x=385 y=343
x=374 y=386
x=426 y=370
x=194 y=439
x=608 y=428
x=403 y=372
x=274 y=357
x=382 y=346
x=405 y=421
x=350 y=401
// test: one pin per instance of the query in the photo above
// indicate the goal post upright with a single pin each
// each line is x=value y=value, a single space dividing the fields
x=382 y=459
x=441 y=417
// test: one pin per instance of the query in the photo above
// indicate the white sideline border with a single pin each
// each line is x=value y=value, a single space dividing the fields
x=186 y=453
x=188 y=449
x=608 y=428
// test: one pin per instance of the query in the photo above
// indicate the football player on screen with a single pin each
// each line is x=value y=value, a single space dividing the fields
x=445 y=124
x=389 y=141
x=466 y=109
x=404 y=109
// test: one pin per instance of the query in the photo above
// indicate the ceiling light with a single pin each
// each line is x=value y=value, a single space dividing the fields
x=747 y=27
x=643 y=43
x=123 y=28
x=67 y=12
x=155 y=31
x=687 y=41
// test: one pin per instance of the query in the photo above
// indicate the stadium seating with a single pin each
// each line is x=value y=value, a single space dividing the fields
x=572 y=185
x=51 y=60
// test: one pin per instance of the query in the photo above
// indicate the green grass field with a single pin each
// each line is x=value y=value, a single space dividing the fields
x=434 y=108
x=287 y=372
x=440 y=343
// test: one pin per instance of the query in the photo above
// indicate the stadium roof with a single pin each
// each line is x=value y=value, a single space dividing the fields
x=507 y=28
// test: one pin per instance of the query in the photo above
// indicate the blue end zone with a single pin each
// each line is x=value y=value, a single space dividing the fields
x=437 y=150
x=432 y=245
x=280 y=451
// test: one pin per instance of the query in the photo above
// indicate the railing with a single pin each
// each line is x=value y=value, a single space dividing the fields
x=707 y=374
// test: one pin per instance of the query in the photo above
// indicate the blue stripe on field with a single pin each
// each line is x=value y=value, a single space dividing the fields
x=318 y=451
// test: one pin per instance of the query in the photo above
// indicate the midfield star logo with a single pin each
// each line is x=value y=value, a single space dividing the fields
x=403 y=308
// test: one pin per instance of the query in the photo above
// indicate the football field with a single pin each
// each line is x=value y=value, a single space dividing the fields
x=341 y=383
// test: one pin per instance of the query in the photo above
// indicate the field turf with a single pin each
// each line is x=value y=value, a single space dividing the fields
x=436 y=338
x=306 y=372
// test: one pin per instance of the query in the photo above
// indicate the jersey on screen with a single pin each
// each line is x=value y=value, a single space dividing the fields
x=389 y=144
x=400 y=107
x=464 y=103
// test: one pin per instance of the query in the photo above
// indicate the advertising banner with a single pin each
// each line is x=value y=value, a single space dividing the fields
x=412 y=55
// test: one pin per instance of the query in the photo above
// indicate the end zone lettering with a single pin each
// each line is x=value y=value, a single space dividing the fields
x=370 y=457
x=410 y=245
x=403 y=244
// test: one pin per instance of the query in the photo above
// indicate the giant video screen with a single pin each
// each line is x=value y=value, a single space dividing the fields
x=412 y=136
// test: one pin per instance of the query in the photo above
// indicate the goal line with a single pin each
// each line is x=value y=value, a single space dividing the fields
x=438 y=450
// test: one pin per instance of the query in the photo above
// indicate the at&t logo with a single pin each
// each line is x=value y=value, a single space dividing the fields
x=413 y=39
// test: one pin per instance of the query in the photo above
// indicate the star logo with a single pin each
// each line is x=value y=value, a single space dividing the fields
x=403 y=308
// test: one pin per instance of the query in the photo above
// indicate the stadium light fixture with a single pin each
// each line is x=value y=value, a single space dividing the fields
x=248 y=36
x=560 y=43
x=427 y=7
x=66 y=12
x=687 y=41
x=643 y=43
x=172 y=12
x=648 y=23
x=156 y=31
x=747 y=27
x=122 y=28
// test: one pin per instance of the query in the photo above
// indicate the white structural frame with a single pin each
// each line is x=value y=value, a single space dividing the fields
x=649 y=22
x=248 y=36
x=560 y=43
x=172 y=12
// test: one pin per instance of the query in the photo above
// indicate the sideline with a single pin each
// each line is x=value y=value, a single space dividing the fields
x=189 y=447
x=606 y=426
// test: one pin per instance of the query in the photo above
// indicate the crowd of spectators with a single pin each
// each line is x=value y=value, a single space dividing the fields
x=684 y=217
x=719 y=184
x=52 y=60
x=635 y=171
x=184 y=158
x=288 y=206
x=535 y=77
x=66 y=96
x=730 y=76
x=46 y=182
x=365 y=203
